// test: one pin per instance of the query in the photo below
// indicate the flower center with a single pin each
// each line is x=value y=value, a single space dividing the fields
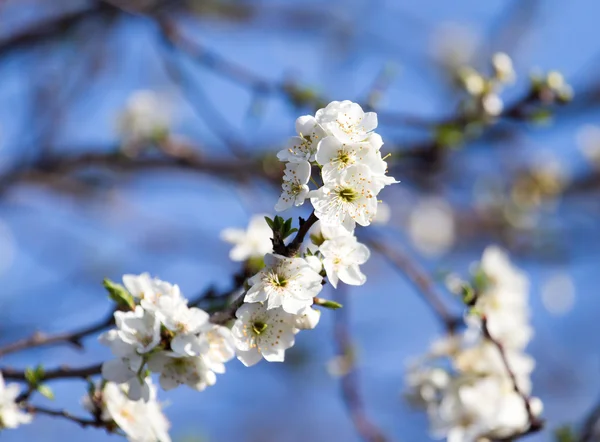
x=277 y=281
x=258 y=327
x=347 y=194
x=344 y=158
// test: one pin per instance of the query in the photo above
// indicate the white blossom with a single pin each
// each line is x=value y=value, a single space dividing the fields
x=503 y=300
x=254 y=242
x=11 y=415
x=341 y=258
x=139 y=328
x=195 y=371
x=141 y=421
x=484 y=407
x=346 y=121
x=335 y=156
x=304 y=146
x=124 y=369
x=290 y=283
x=295 y=188
x=349 y=199
x=144 y=117
x=149 y=290
x=307 y=319
x=503 y=67
x=260 y=332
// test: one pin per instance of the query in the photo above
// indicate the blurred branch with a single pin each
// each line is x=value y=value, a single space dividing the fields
x=63 y=372
x=351 y=396
x=589 y=431
x=53 y=27
x=73 y=338
x=65 y=414
x=535 y=424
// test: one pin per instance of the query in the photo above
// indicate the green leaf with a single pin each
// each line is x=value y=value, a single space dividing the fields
x=449 y=135
x=45 y=391
x=327 y=303
x=287 y=225
x=30 y=376
x=565 y=434
x=270 y=222
x=289 y=232
x=119 y=294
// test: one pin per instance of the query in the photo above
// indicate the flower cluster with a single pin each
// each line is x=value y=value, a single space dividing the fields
x=162 y=334
x=140 y=421
x=464 y=382
x=11 y=415
x=341 y=141
x=485 y=90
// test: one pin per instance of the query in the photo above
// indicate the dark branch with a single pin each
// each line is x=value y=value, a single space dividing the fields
x=63 y=372
x=97 y=423
x=535 y=423
x=74 y=337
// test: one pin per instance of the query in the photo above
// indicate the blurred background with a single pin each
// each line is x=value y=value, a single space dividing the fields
x=84 y=196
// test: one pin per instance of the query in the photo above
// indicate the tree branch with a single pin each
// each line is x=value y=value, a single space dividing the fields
x=83 y=422
x=349 y=382
x=62 y=372
x=73 y=337
x=535 y=424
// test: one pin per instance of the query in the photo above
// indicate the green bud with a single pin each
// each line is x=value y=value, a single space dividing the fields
x=45 y=391
x=119 y=294
x=327 y=303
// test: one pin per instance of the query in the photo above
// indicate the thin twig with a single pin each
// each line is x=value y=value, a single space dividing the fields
x=73 y=338
x=63 y=372
x=535 y=423
x=349 y=381
x=65 y=414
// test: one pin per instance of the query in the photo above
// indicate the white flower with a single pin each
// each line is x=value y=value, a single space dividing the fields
x=290 y=283
x=346 y=121
x=141 y=421
x=426 y=384
x=307 y=319
x=11 y=416
x=254 y=242
x=485 y=407
x=125 y=368
x=176 y=370
x=431 y=226
x=295 y=188
x=139 y=328
x=348 y=200
x=219 y=345
x=143 y=118
x=303 y=147
x=485 y=359
x=260 y=332
x=335 y=157
x=148 y=290
x=503 y=300
x=341 y=258
x=503 y=67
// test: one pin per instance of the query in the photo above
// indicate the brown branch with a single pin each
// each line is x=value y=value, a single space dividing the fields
x=74 y=337
x=420 y=280
x=589 y=431
x=535 y=423
x=349 y=381
x=83 y=422
x=54 y=27
x=226 y=315
x=63 y=372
